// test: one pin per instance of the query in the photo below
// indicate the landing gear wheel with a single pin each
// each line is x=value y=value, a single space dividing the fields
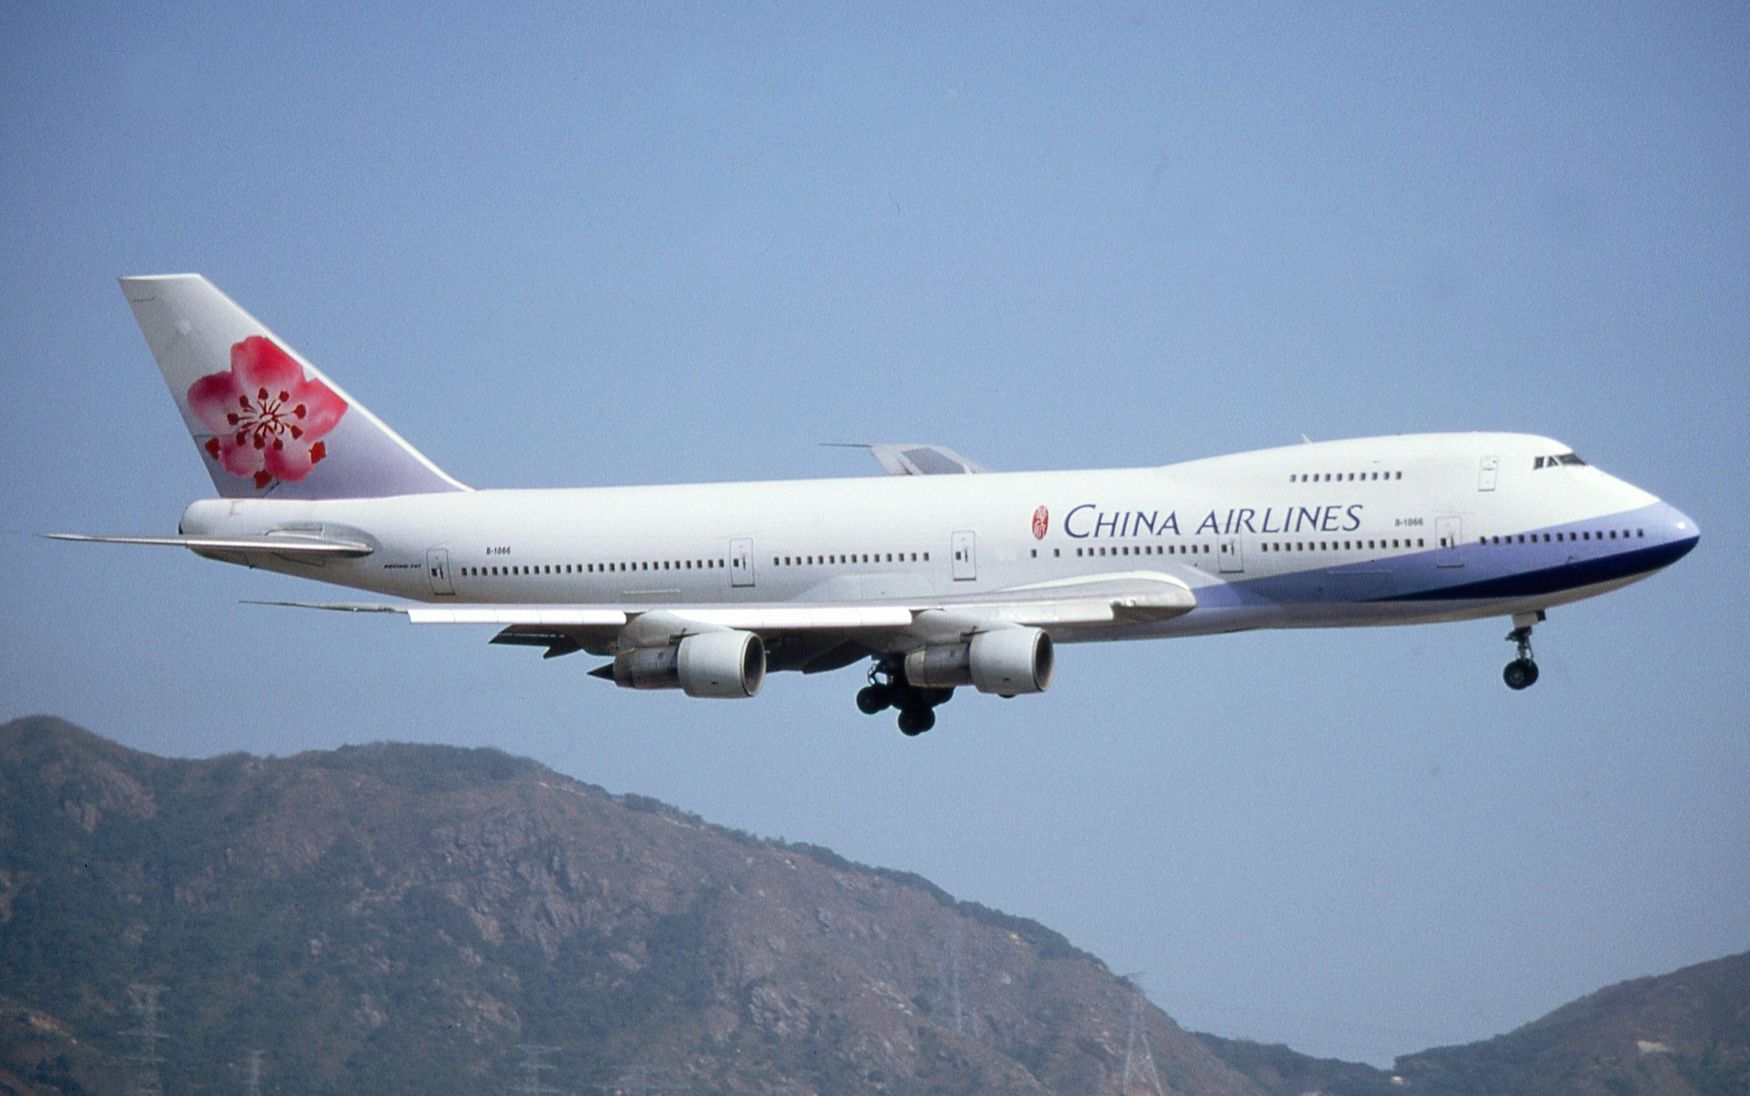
x=874 y=699
x=1521 y=673
x=915 y=721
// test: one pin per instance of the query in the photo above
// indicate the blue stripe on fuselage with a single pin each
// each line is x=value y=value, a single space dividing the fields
x=1565 y=576
x=1482 y=571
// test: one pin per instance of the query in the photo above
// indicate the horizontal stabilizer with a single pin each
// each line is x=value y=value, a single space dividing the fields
x=287 y=545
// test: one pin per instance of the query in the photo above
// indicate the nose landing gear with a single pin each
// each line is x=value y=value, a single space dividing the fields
x=888 y=688
x=1521 y=673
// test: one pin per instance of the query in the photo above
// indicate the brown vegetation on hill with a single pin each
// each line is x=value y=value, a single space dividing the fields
x=403 y=918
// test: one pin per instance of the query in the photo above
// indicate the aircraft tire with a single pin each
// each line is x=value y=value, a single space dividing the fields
x=1521 y=673
x=915 y=721
x=873 y=699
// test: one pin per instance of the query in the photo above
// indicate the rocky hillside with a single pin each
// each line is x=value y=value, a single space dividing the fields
x=1680 y=1034
x=416 y=919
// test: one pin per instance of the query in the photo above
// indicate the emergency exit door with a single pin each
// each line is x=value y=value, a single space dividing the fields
x=965 y=546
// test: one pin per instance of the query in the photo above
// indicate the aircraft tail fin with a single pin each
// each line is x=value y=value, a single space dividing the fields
x=267 y=422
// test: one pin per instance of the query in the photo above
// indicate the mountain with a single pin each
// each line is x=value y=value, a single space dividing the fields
x=1681 y=1034
x=402 y=919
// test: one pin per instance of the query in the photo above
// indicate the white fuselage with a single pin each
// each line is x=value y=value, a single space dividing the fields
x=1369 y=531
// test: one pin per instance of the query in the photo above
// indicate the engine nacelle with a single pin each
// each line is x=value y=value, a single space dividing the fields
x=1006 y=661
x=711 y=664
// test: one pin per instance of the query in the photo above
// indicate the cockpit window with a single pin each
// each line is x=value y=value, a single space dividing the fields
x=1557 y=459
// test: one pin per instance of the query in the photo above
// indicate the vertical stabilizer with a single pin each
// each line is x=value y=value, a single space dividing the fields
x=267 y=422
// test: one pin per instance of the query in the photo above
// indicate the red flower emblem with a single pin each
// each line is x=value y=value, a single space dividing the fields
x=267 y=419
x=1041 y=522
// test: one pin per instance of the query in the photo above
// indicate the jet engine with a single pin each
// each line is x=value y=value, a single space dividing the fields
x=710 y=664
x=1006 y=661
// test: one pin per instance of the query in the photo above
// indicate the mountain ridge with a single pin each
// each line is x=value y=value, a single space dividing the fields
x=394 y=917
x=1684 y=1033
x=401 y=918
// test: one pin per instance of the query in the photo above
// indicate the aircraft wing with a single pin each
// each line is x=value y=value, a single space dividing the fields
x=916 y=458
x=1120 y=598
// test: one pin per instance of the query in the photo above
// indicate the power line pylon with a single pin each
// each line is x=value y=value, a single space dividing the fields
x=148 y=1078
x=954 y=946
x=1139 y=1061
x=637 y=1081
x=534 y=1064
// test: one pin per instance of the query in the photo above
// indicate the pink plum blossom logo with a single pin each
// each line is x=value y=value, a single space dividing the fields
x=267 y=419
x=1041 y=522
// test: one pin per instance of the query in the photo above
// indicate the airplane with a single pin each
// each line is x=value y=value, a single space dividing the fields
x=941 y=574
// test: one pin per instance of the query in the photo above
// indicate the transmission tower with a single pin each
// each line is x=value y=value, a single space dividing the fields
x=1139 y=1061
x=534 y=1064
x=638 y=1081
x=954 y=944
x=148 y=1079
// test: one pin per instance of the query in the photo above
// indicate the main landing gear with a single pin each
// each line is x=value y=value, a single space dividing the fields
x=888 y=688
x=1521 y=673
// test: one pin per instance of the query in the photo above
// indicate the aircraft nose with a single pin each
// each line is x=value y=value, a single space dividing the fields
x=1681 y=531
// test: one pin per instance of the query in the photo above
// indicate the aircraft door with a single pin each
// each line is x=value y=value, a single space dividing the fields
x=1448 y=533
x=437 y=569
x=965 y=545
x=1233 y=560
x=1486 y=473
x=741 y=561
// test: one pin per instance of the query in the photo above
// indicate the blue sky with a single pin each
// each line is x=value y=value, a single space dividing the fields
x=610 y=244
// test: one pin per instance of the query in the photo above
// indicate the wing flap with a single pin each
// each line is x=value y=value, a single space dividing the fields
x=551 y=616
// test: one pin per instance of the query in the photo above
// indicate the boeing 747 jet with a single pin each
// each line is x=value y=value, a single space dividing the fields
x=938 y=575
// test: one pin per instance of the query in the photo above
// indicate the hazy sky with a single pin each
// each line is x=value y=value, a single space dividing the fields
x=601 y=244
